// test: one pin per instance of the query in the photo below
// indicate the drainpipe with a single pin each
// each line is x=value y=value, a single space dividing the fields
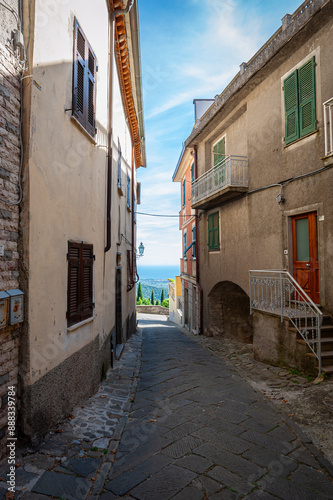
x=133 y=215
x=114 y=14
x=197 y=247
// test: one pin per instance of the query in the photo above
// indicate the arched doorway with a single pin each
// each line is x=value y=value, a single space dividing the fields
x=229 y=312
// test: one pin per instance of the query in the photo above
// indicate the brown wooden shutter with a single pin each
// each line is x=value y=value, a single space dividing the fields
x=80 y=282
x=84 y=83
x=87 y=281
x=73 y=299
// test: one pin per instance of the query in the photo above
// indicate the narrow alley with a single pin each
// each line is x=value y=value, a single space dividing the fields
x=173 y=420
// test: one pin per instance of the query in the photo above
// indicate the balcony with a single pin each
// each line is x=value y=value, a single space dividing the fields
x=224 y=181
x=328 y=126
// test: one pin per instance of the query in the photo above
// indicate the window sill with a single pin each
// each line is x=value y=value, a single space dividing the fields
x=301 y=139
x=82 y=323
x=81 y=127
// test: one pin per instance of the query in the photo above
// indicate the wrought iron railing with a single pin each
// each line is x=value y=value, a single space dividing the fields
x=328 y=126
x=231 y=171
x=276 y=291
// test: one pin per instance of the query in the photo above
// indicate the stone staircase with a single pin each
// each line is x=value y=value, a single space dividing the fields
x=326 y=344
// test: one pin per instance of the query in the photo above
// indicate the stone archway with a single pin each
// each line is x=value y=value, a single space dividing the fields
x=229 y=312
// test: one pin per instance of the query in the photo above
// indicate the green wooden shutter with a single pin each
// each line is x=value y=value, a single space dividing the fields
x=291 y=108
x=210 y=232
x=307 y=98
x=184 y=193
x=219 y=151
x=216 y=231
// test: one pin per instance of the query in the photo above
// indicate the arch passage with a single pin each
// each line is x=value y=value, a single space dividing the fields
x=229 y=312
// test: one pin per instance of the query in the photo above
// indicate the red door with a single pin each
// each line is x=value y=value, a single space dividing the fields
x=305 y=254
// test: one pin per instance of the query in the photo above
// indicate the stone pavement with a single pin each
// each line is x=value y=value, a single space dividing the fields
x=178 y=422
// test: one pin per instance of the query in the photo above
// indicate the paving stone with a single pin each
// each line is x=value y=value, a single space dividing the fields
x=62 y=485
x=227 y=441
x=283 y=433
x=189 y=493
x=218 y=424
x=268 y=442
x=182 y=447
x=125 y=482
x=31 y=496
x=22 y=477
x=182 y=430
x=229 y=415
x=226 y=495
x=231 y=480
x=235 y=463
x=313 y=479
x=287 y=490
x=164 y=484
x=194 y=463
x=260 y=425
x=277 y=464
x=207 y=484
x=304 y=456
x=172 y=420
x=85 y=467
x=259 y=495
x=107 y=496
x=153 y=464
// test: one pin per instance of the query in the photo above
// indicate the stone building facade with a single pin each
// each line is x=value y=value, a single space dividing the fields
x=263 y=194
x=10 y=105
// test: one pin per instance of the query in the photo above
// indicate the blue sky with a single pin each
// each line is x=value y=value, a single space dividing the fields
x=191 y=49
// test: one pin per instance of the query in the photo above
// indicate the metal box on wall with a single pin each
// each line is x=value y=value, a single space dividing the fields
x=15 y=306
x=4 y=307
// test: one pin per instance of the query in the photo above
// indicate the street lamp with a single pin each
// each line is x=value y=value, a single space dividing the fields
x=141 y=250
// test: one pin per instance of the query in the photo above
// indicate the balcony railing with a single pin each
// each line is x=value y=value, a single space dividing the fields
x=227 y=177
x=328 y=126
x=277 y=292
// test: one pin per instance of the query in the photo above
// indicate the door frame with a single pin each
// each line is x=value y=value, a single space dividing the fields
x=317 y=207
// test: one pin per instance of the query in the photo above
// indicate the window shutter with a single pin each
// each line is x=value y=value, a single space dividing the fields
x=216 y=231
x=84 y=84
x=73 y=299
x=219 y=151
x=193 y=242
x=307 y=98
x=185 y=244
x=210 y=231
x=86 y=305
x=291 y=108
x=184 y=193
x=79 y=70
x=91 y=89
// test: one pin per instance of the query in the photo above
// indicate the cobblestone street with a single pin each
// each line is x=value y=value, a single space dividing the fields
x=176 y=420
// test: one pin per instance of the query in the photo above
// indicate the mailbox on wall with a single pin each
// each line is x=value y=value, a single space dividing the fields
x=15 y=306
x=4 y=308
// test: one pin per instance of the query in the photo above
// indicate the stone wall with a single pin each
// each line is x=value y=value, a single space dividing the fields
x=9 y=222
x=153 y=310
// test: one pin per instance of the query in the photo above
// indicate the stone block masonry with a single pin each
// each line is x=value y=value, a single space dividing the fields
x=10 y=98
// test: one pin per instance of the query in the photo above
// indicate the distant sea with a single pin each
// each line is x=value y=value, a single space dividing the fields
x=158 y=272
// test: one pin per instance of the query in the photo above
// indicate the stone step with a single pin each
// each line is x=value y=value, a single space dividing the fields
x=326 y=343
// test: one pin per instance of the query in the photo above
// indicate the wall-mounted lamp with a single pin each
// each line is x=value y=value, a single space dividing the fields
x=141 y=250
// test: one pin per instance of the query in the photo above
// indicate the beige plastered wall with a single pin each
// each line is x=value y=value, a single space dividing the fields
x=65 y=189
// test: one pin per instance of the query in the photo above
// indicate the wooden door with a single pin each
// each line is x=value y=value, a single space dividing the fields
x=305 y=254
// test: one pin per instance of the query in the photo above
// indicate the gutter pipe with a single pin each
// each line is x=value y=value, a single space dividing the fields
x=114 y=14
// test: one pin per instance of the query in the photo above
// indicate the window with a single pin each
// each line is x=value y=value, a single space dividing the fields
x=80 y=282
x=184 y=192
x=185 y=245
x=84 y=83
x=128 y=191
x=213 y=231
x=300 y=102
x=193 y=242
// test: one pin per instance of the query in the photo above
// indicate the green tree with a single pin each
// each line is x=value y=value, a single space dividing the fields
x=152 y=298
x=139 y=294
x=162 y=295
x=157 y=302
x=165 y=303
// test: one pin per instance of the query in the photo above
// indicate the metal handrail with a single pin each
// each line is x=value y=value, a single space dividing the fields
x=276 y=291
x=230 y=171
